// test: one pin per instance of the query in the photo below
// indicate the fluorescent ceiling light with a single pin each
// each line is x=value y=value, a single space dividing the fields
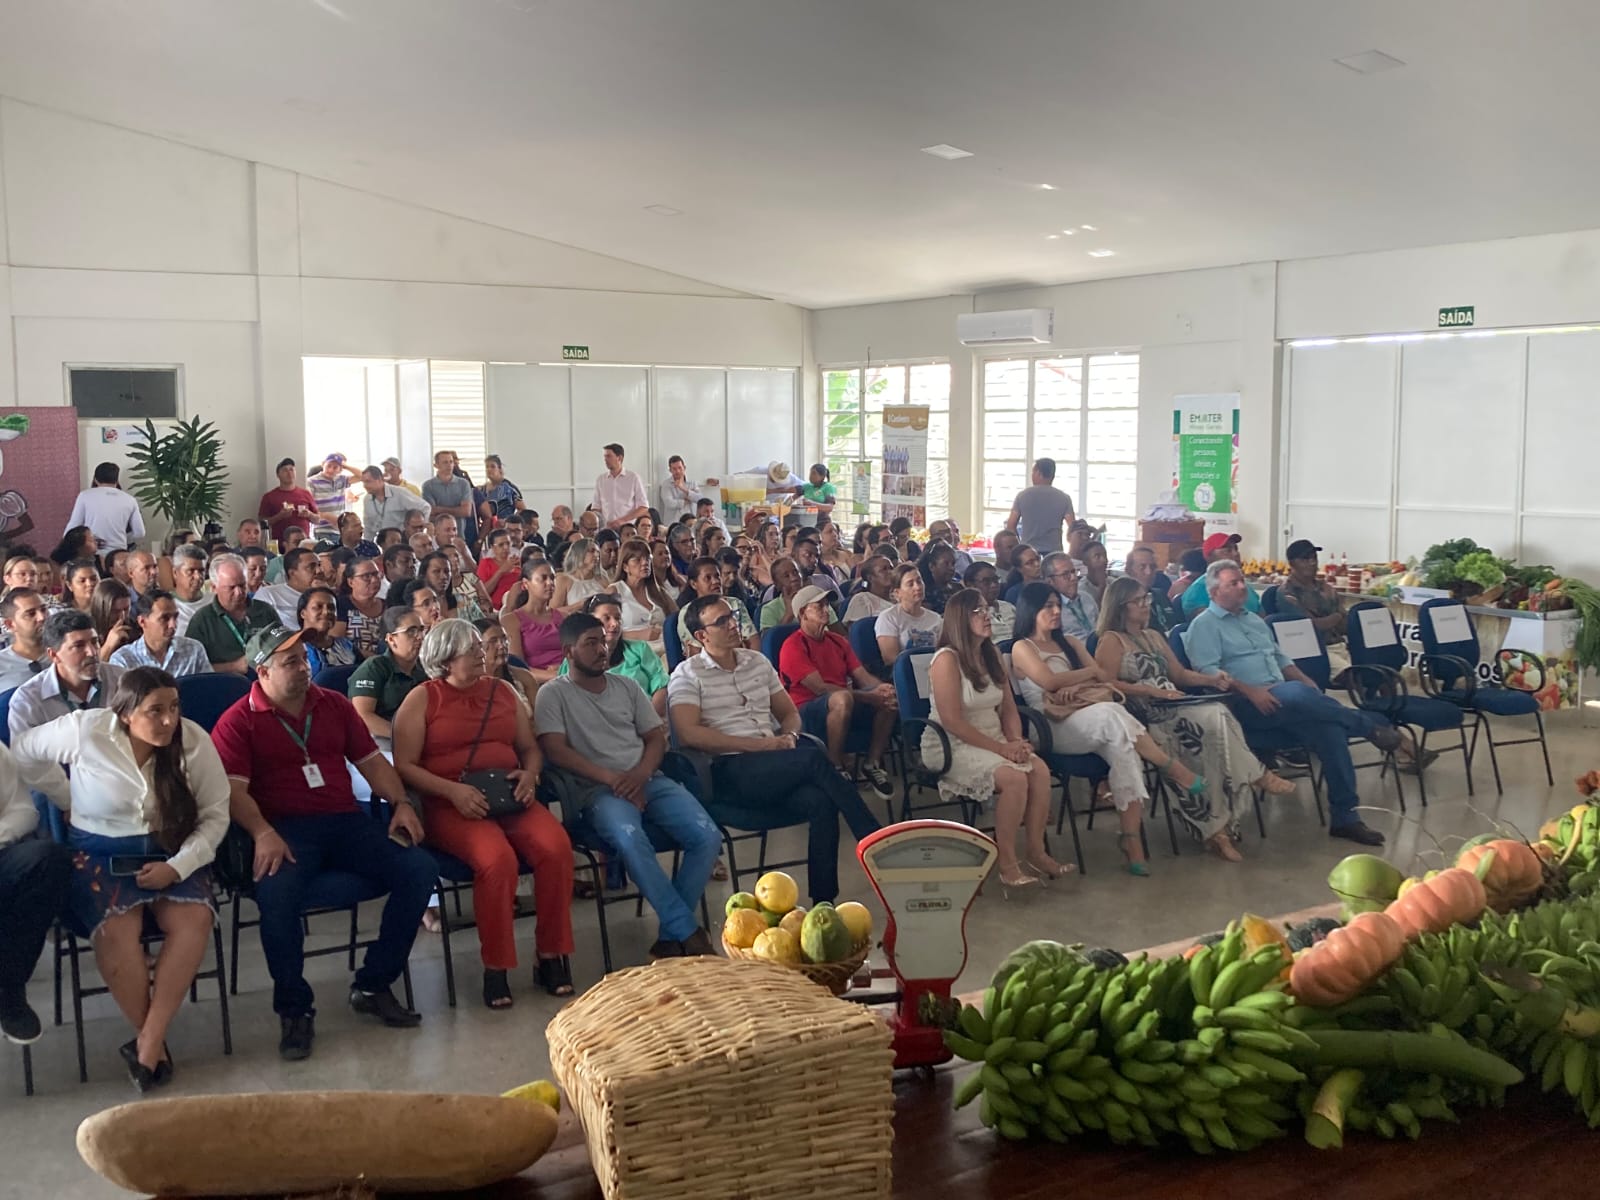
x=1069 y=232
x=946 y=151
x=1101 y=253
x=1089 y=228
x=1050 y=237
x=1047 y=187
x=1370 y=62
x=663 y=210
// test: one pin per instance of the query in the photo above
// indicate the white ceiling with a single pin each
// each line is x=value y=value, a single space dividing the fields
x=1190 y=132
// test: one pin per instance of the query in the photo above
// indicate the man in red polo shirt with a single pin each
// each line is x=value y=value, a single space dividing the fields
x=284 y=747
x=817 y=668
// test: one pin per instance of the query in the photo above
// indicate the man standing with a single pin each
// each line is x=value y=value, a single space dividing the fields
x=1039 y=511
x=818 y=669
x=188 y=584
x=1219 y=547
x=23 y=612
x=449 y=494
x=331 y=487
x=393 y=477
x=619 y=494
x=285 y=747
x=678 y=495
x=224 y=626
x=111 y=514
x=1079 y=613
x=727 y=701
x=161 y=645
x=288 y=506
x=1141 y=565
x=387 y=503
x=601 y=728
x=34 y=874
x=75 y=678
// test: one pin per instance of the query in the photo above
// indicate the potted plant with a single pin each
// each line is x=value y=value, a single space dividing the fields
x=179 y=475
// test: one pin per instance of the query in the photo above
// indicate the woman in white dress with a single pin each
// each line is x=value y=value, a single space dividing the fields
x=1045 y=661
x=971 y=700
x=645 y=608
x=580 y=578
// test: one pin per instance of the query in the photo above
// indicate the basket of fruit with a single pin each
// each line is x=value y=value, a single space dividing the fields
x=826 y=944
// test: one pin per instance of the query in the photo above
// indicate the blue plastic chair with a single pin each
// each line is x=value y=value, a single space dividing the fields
x=204 y=698
x=335 y=679
x=1449 y=671
x=913 y=693
x=864 y=642
x=672 y=643
x=1269 y=602
x=773 y=639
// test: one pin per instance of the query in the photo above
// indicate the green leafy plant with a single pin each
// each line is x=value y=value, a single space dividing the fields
x=179 y=474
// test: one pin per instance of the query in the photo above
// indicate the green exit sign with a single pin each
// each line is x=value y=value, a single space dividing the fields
x=581 y=353
x=1457 y=317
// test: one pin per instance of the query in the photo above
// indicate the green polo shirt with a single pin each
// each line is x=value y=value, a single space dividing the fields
x=222 y=636
x=639 y=663
x=381 y=679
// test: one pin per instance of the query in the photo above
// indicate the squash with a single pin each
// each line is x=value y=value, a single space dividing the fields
x=1451 y=897
x=281 y=1142
x=1343 y=964
x=1515 y=876
x=1259 y=932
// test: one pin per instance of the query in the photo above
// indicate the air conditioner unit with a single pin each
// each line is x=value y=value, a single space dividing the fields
x=1016 y=327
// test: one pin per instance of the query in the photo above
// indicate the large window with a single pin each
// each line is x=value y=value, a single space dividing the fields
x=457 y=417
x=853 y=399
x=1082 y=411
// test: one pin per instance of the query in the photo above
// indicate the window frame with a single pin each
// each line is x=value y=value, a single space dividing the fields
x=860 y=369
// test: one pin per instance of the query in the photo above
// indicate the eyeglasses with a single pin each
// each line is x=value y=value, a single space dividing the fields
x=1062 y=574
x=408 y=631
x=364 y=575
x=721 y=622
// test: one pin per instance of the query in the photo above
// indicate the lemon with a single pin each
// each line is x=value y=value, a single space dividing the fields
x=777 y=892
x=792 y=920
x=737 y=901
x=857 y=920
x=742 y=927
x=777 y=945
x=540 y=1091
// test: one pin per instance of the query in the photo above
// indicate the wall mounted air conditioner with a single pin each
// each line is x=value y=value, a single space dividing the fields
x=1016 y=327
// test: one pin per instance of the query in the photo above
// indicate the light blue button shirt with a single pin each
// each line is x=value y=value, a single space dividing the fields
x=1195 y=597
x=1239 y=643
x=184 y=657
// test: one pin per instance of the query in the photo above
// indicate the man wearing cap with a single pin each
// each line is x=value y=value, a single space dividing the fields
x=387 y=503
x=393 y=477
x=224 y=626
x=1307 y=594
x=285 y=747
x=619 y=494
x=1217 y=548
x=1039 y=511
x=288 y=506
x=817 y=669
x=331 y=486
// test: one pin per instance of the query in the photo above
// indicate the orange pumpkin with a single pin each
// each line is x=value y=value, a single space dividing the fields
x=1512 y=879
x=1449 y=898
x=1343 y=964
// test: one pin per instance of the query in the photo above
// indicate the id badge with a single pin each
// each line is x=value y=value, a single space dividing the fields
x=313 y=774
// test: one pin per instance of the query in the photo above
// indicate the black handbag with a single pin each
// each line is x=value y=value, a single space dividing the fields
x=496 y=785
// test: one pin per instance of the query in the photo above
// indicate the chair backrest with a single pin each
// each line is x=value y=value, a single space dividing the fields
x=1092 y=643
x=1269 y=601
x=773 y=639
x=1373 y=637
x=1440 y=624
x=5 y=715
x=1297 y=637
x=911 y=684
x=1179 y=650
x=864 y=642
x=335 y=679
x=1161 y=584
x=672 y=642
x=520 y=663
x=1013 y=594
x=204 y=698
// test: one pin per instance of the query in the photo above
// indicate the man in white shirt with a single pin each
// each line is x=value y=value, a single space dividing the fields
x=34 y=874
x=299 y=575
x=387 y=504
x=728 y=702
x=161 y=646
x=188 y=584
x=23 y=612
x=619 y=494
x=75 y=678
x=678 y=494
x=111 y=514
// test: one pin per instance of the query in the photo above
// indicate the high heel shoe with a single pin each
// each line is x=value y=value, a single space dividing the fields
x=1139 y=868
x=1020 y=880
x=1047 y=868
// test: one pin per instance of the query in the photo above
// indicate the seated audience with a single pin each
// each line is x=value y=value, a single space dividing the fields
x=908 y=625
x=833 y=692
x=1306 y=593
x=421 y=599
x=1027 y=566
x=389 y=536
x=876 y=593
x=1191 y=566
x=361 y=609
x=380 y=684
x=1141 y=565
x=249 y=536
x=786 y=584
x=1079 y=612
x=608 y=544
x=352 y=536
x=108 y=612
x=299 y=574
x=645 y=607
x=1219 y=547
x=399 y=567
x=1096 y=571
x=159 y=644
x=35 y=875
x=937 y=564
x=500 y=569
x=532 y=625
x=256 y=562
x=317 y=614
x=497 y=662
x=706 y=578
x=728 y=702
x=20 y=570
x=580 y=577
x=950 y=533
x=1079 y=534
x=832 y=556
x=632 y=659
x=459 y=722
x=146 y=785
x=188 y=583
x=285 y=747
x=1005 y=548
x=1002 y=615
x=225 y=625
x=80 y=577
x=178 y=537
x=23 y=612
x=666 y=577
x=78 y=542
x=680 y=545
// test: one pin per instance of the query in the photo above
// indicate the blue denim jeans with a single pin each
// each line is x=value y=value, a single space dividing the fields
x=675 y=816
x=1325 y=726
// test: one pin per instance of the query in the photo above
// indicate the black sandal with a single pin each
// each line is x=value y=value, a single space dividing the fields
x=496 y=990
x=554 y=975
x=142 y=1077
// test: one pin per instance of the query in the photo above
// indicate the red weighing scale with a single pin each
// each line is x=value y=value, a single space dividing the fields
x=927 y=874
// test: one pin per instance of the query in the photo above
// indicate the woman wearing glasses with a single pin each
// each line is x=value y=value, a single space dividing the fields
x=381 y=684
x=361 y=608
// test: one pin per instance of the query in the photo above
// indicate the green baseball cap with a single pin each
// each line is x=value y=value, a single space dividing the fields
x=264 y=643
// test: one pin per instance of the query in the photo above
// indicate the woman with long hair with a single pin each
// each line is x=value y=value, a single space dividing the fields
x=1049 y=664
x=1206 y=737
x=318 y=610
x=770 y=539
x=80 y=576
x=109 y=604
x=712 y=539
x=580 y=578
x=497 y=662
x=908 y=625
x=533 y=626
x=937 y=565
x=631 y=659
x=662 y=572
x=1027 y=567
x=148 y=802
x=645 y=607
x=755 y=568
x=77 y=542
x=645 y=528
x=832 y=555
x=989 y=757
x=1096 y=570
x=706 y=578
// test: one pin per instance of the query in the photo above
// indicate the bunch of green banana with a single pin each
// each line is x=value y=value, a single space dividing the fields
x=1576 y=841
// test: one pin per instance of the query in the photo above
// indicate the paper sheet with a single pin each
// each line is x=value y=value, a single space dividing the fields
x=1450 y=623
x=1377 y=628
x=1297 y=639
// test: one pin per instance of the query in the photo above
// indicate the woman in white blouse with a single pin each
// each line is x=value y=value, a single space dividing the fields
x=148 y=803
x=645 y=607
x=580 y=578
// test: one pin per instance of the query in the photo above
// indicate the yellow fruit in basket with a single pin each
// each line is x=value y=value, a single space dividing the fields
x=742 y=927
x=777 y=945
x=857 y=919
x=792 y=920
x=737 y=901
x=777 y=892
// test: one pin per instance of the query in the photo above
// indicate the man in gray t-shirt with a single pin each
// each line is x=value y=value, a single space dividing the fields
x=450 y=493
x=601 y=730
x=1039 y=511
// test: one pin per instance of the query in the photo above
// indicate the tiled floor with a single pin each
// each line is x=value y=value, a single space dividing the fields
x=472 y=1049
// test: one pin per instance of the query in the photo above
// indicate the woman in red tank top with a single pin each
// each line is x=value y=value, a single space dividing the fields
x=459 y=721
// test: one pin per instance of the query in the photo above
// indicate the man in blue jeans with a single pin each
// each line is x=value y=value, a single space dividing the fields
x=602 y=729
x=728 y=702
x=1226 y=637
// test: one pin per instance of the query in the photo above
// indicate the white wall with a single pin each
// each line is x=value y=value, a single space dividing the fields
x=119 y=247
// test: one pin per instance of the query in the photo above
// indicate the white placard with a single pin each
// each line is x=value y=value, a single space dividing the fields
x=1450 y=623
x=1297 y=639
x=920 y=663
x=1377 y=628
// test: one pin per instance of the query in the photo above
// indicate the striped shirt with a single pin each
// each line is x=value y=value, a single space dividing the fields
x=331 y=495
x=737 y=702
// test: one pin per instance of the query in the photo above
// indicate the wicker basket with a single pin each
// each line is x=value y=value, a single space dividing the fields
x=835 y=976
x=700 y=1077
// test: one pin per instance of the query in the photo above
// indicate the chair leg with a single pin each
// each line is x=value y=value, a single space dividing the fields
x=233 y=962
x=1261 y=825
x=761 y=863
x=444 y=937
x=733 y=862
x=1172 y=830
x=405 y=978
x=1072 y=820
x=222 y=986
x=77 y=1009
x=354 y=910
x=1544 y=748
x=60 y=935
x=600 y=909
x=27 y=1071
x=1494 y=759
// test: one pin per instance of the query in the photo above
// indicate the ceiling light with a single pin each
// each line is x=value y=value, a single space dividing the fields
x=1370 y=62
x=1101 y=253
x=1047 y=187
x=1069 y=232
x=1088 y=228
x=946 y=151
x=663 y=210
x=1050 y=237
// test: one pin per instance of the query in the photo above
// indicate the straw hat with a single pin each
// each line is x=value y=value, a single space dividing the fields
x=778 y=472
